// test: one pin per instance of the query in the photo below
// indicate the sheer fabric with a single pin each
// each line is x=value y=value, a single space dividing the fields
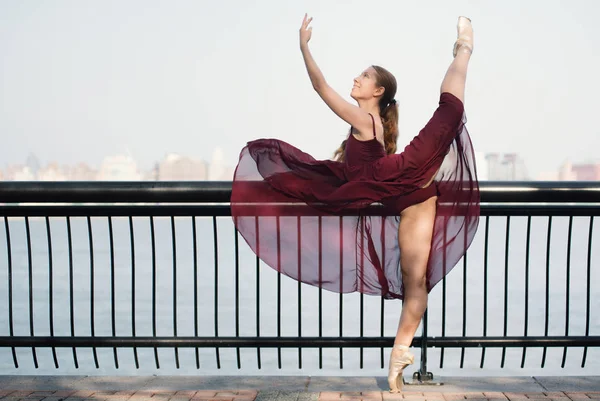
x=335 y=224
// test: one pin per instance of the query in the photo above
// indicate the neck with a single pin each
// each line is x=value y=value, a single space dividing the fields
x=369 y=107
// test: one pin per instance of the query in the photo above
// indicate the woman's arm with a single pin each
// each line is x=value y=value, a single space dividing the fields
x=348 y=112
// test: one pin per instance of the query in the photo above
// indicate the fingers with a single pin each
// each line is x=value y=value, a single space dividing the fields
x=306 y=21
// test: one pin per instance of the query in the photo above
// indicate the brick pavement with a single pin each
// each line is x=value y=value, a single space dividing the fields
x=154 y=395
x=251 y=395
x=444 y=396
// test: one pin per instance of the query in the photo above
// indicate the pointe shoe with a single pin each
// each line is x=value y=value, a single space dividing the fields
x=399 y=359
x=464 y=41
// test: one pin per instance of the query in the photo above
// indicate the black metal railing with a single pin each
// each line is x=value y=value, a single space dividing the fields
x=151 y=265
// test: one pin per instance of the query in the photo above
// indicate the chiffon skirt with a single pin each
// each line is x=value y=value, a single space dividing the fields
x=335 y=226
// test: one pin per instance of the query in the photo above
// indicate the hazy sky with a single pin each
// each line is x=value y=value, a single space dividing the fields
x=82 y=79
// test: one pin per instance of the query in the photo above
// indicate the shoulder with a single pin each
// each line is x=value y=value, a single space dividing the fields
x=374 y=128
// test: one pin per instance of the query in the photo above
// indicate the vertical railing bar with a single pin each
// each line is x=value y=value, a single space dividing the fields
x=464 y=306
x=527 y=249
x=216 y=311
x=10 y=290
x=382 y=332
x=51 y=288
x=153 y=240
x=568 y=288
x=112 y=289
x=237 y=293
x=361 y=350
x=173 y=237
x=30 y=270
x=320 y=289
x=278 y=229
x=423 y=374
x=588 y=288
x=71 y=295
x=362 y=281
x=485 y=284
x=444 y=268
x=547 y=310
x=505 y=329
x=195 y=253
x=299 y=289
x=258 y=358
x=382 y=317
x=133 y=331
x=92 y=284
x=341 y=287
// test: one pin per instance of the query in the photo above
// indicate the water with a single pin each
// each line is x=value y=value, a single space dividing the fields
x=289 y=315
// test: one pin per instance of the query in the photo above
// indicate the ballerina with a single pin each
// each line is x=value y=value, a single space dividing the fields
x=429 y=191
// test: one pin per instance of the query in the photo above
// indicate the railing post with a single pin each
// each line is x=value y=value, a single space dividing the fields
x=422 y=375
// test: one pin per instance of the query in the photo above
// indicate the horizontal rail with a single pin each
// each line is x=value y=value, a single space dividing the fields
x=282 y=210
x=220 y=191
x=295 y=342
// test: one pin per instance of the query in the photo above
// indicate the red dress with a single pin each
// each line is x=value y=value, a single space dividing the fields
x=307 y=218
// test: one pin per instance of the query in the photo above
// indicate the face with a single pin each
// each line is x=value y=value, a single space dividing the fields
x=365 y=85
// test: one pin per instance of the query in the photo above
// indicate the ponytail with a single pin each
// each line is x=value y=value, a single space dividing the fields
x=340 y=154
x=389 y=117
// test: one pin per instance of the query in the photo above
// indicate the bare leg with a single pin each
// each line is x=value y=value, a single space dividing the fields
x=414 y=238
x=456 y=76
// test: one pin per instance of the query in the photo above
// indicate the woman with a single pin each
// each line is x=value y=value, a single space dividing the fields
x=429 y=197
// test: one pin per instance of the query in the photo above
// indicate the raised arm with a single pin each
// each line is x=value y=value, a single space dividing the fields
x=348 y=112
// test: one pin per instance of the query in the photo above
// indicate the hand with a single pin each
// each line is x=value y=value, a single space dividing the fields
x=305 y=31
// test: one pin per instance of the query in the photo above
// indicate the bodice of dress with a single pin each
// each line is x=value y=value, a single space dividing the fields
x=360 y=152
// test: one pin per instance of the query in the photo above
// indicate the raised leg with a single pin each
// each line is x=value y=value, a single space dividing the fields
x=416 y=222
x=456 y=75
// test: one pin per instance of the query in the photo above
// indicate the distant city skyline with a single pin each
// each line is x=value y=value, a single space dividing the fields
x=122 y=167
x=492 y=166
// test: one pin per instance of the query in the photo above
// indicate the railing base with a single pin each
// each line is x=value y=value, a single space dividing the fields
x=420 y=379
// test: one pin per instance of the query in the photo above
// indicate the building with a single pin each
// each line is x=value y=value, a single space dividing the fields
x=34 y=164
x=227 y=174
x=179 y=168
x=152 y=174
x=505 y=167
x=119 y=168
x=217 y=170
x=19 y=172
x=53 y=172
x=587 y=172
x=548 y=176
x=82 y=172
x=579 y=172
